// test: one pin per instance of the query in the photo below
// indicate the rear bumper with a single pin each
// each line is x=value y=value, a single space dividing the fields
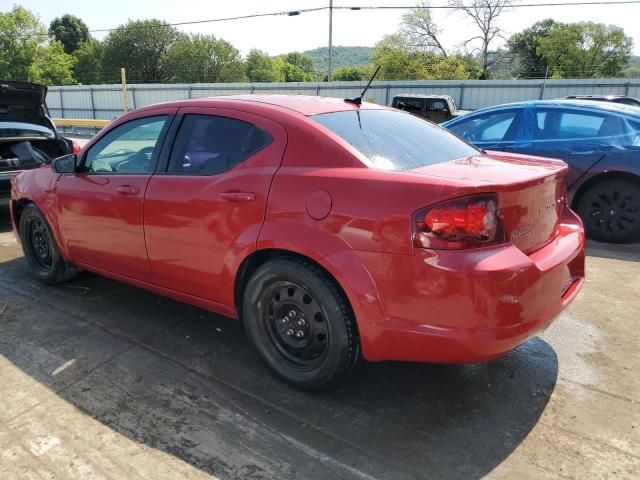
x=471 y=305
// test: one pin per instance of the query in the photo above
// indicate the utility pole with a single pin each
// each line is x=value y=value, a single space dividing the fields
x=125 y=97
x=330 y=38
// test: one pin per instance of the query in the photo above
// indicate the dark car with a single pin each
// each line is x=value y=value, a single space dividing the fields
x=623 y=99
x=437 y=108
x=600 y=142
x=28 y=137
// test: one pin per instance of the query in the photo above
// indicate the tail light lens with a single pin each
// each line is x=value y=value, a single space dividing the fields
x=76 y=148
x=467 y=222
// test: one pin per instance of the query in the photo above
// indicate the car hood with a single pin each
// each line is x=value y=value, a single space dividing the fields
x=23 y=102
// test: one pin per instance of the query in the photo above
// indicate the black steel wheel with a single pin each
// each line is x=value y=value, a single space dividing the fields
x=610 y=211
x=40 y=248
x=300 y=322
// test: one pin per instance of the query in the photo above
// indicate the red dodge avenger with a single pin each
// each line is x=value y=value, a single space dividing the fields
x=335 y=230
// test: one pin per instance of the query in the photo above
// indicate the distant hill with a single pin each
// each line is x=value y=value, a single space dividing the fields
x=633 y=67
x=341 y=56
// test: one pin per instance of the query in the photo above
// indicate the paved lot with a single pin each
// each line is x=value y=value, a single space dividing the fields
x=102 y=380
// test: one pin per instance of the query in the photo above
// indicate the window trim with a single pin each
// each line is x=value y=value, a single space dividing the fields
x=166 y=153
x=156 y=154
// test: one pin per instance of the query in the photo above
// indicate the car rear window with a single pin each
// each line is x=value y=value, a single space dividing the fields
x=394 y=140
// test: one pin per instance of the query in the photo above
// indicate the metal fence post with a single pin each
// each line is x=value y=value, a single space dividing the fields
x=461 y=96
x=189 y=92
x=541 y=91
x=387 y=93
x=626 y=88
x=61 y=104
x=91 y=102
x=133 y=96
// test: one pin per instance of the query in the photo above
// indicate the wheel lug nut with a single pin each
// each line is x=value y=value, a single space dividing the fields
x=290 y=332
x=284 y=320
x=301 y=322
x=299 y=334
x=292 y=313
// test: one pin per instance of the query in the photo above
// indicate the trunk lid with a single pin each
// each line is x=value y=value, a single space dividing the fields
x=23 y=102
x=531 y=191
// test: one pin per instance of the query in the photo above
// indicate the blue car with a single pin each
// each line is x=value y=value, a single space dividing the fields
x=599 y=141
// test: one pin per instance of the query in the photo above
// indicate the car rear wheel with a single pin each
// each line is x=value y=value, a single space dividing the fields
x=40 y=249
x=610 y=211
x=301 y=323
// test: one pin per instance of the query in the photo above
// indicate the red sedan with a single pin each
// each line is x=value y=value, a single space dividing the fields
x=335 y=231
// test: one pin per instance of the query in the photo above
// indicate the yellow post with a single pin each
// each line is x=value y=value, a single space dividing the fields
x=125 y=97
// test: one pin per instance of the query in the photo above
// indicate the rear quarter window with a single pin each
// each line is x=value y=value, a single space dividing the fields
x=392 y=140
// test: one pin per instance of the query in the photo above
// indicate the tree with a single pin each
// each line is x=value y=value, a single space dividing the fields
x=421 y=30
x=288 y=72
x=53 y=66
x=259 y=67
x=586 y=49
x=524 y=45
x=21 y=35
x=484 y=14
x=302 y=61
x=202 y=58
x=139 y=46
x=88 y=67
x=350 y=74
x=70 y=31
x=399 y=61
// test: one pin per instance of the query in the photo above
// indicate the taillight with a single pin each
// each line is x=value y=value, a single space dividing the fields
x=466 y=222
x=76 y=148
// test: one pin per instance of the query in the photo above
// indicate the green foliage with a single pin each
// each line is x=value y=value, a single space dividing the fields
x=351 y=74
x=260 y=67
x=21 y=37
x=88 y=65
x=525 y=45
x=138 y=46
x=53 y=66
x=340 y=57
x=398 y=61
x=632 y=68
x=302 y=61
x=70 y=31
x=288 y=72
x=202 y=58
x=585 y=50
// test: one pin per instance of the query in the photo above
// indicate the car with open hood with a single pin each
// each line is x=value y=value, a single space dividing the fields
x=336 y=230
x=28 y=137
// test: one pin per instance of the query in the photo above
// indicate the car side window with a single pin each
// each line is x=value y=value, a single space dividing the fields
x=490 y=127
x=436 y=106
x=129 y=148
x=559 y=124
x=411 y=105
x=208 y=144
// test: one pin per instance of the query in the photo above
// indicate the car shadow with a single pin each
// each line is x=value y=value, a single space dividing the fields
x=629 y=252
x=186 y=382
x=5 y=219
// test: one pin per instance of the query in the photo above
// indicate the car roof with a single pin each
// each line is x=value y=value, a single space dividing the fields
x=596 y=96
x=574 y=103
x=304 y=104
x=419 y=95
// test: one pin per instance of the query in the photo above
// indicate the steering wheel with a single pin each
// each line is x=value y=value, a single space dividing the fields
x=139 y=162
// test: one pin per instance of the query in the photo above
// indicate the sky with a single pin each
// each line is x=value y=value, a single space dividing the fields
x=282 y=34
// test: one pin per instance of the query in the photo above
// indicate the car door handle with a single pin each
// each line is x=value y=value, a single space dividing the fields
x=238 y=196
x=128 y=190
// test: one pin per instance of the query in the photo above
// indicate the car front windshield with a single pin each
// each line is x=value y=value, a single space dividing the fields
x=25 y=130
x=392 y=140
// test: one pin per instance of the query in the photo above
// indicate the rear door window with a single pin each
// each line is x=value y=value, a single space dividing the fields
x=392 y=140
x=209 y=144
x=412 y=105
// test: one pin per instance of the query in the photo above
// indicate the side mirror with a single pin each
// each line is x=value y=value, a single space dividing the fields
x=65 y=164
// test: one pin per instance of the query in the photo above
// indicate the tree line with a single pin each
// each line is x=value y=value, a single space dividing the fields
x=154 y=52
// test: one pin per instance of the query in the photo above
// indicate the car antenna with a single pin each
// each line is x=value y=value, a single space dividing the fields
x=358 y=100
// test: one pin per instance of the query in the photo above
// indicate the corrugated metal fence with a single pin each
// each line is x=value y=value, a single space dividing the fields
x=105 y=101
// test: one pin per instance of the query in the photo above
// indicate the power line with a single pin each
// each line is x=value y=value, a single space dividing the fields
x=292 y=13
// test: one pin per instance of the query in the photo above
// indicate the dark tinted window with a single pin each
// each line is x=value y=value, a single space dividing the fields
x=487 y=127
x=409 y=104
x=394 y=140
x=207 y=144
x=436 y=105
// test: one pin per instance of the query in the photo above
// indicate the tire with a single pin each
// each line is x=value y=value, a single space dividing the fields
x=610 y=211
x=301 y=323
x=41 y=250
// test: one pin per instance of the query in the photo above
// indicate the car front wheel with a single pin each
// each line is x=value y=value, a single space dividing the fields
x=40 y=249
x=300 y=322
